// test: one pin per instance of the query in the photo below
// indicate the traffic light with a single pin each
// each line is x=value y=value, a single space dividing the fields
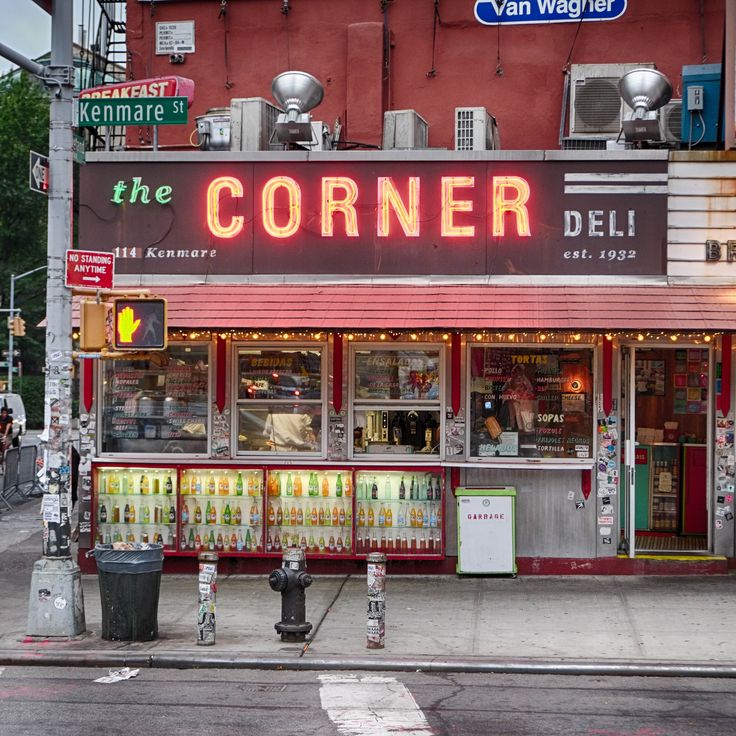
x=139 y=324
x=18 y=327
x=93 y=325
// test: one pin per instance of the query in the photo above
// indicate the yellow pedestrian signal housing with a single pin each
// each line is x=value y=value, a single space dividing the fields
x=139 y=324
x=18 y=327
x=93 y=333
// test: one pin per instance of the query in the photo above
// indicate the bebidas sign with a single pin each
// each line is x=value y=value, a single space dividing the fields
x=506 y=12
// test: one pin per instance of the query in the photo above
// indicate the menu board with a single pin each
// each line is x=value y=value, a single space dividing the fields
x=531 y=402
x=403 y=375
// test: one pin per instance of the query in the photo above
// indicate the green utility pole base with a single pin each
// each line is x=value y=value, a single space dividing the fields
x=56 y=602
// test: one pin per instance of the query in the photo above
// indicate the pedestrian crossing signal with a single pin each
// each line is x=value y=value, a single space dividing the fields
x=139 y=324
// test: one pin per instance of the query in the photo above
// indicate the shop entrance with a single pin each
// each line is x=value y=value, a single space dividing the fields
x=665 y=410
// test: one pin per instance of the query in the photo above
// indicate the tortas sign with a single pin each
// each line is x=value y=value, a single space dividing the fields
x=497 y=12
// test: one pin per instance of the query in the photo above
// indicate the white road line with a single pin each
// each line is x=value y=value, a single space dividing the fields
x=371 y=705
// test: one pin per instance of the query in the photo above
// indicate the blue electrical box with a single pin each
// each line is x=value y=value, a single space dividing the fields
x=701 y=96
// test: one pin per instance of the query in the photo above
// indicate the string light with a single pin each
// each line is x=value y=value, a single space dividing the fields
x=486 y=336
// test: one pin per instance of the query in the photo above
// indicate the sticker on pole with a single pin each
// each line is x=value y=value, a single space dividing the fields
x=89 y=269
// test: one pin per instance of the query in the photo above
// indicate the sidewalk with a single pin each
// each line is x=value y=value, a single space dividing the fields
x=655 y=625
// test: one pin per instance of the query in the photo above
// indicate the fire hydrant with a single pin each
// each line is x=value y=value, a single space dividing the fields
x=291 y=580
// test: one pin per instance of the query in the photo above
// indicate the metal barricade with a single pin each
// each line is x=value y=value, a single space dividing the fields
x=27 y=477
x=11 y=463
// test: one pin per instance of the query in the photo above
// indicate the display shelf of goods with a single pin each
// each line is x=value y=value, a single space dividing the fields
x=665 y=491
x=221 y=510
x=136 y=504
x=399 y=512
x=311 y=509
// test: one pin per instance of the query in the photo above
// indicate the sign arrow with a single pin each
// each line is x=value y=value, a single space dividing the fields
x=96 y=279
x=39 y=173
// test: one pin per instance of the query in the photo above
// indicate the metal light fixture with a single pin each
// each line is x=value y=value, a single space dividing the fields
x=297 y=93
x=645 y=91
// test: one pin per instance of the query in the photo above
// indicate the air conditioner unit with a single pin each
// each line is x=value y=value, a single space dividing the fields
x=404 y=129
x=596 y=108
x=475 y=130
x=321 y=138
x=252 y=126
x=670 y=120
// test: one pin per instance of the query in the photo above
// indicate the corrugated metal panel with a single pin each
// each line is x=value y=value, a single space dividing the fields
x=345 y=306
x=701 y=207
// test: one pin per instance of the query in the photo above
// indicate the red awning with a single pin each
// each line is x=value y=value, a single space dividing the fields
x=462 y=307
x=450 y=307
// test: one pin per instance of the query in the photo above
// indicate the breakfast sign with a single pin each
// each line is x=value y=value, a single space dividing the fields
x=166 y=215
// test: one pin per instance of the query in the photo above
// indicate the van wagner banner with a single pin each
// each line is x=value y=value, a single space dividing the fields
x=508 y=12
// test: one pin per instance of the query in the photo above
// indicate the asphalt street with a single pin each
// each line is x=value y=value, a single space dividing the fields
x=39 y=700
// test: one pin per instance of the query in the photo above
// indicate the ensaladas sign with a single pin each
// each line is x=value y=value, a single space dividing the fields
x=346 y=216
x=496 y=12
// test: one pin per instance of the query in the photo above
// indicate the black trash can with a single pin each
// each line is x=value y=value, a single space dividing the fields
x=130 y=580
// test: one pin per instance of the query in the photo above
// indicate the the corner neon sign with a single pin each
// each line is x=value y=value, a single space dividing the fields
x=340 y=201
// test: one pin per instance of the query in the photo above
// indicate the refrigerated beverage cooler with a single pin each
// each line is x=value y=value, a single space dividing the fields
x=332 y=512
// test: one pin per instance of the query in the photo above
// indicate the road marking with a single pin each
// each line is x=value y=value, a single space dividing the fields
x=371 y=705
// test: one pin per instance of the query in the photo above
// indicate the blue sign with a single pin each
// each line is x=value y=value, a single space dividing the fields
x=495 y=12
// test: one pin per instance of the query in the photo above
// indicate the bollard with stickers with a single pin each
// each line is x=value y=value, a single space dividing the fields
x=376 y=633
x=206 y=599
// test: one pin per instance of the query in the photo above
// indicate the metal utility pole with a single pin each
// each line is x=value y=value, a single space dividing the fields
x=11 y=331
x=56 y=604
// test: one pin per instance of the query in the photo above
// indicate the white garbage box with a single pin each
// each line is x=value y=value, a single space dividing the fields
x=486 y=531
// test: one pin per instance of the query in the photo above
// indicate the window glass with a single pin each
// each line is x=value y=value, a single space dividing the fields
x=158 y=405
x=396 y=408
x=531 y=402
x=401 y=375
x=406 y=430
x=280 y=428
x=279 y=374
x=279 y=402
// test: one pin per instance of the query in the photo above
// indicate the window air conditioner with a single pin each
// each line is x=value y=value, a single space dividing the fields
x=321 y=138
x=670 y=118
x=475 y=130
x=404 y=129
x=252 y=124
x=596 y=108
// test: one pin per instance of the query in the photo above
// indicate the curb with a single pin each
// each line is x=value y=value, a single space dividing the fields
x=196 y=660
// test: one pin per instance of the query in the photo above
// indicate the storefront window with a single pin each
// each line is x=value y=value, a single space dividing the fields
x=531 y=402
x=396 y=406
x=159 y=405
x=279 y=402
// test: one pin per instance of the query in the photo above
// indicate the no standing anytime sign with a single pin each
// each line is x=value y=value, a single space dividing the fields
x=89 y=269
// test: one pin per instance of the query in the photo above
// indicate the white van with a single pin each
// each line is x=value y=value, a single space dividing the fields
x=17 y=409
